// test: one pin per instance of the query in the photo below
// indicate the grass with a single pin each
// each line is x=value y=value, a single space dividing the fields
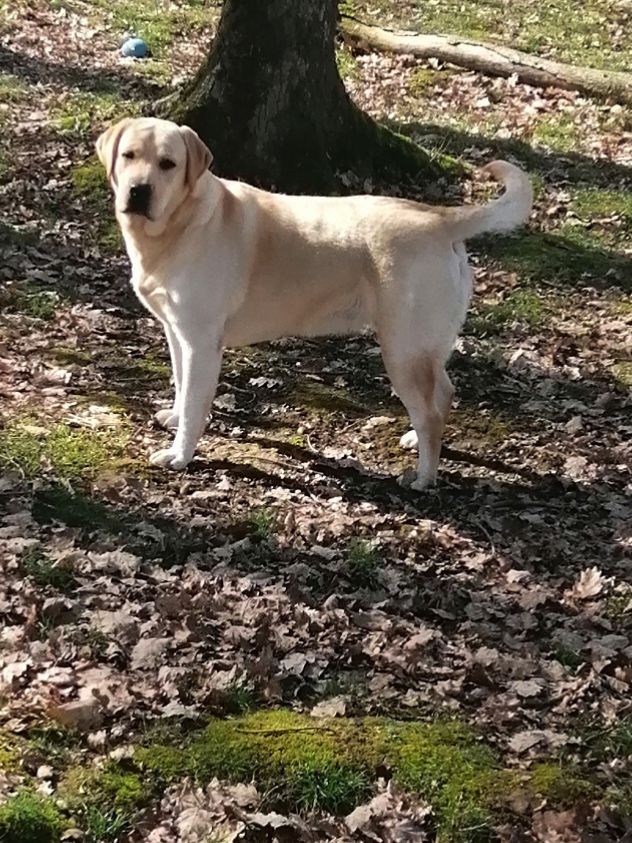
x=159 y=24
x=29 y=818
x=588 y=37
x=559 y=132
x=12 y=236
x=55 y=744
x=104 y=800
x=64 y=451
x=363 y=564
x=104 y=826
x=262 y=524
x=44 y=572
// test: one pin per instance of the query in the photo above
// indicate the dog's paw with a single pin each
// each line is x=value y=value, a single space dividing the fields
x=168 y=419
x=411 y=480
x=409 y=441
x=169 y=458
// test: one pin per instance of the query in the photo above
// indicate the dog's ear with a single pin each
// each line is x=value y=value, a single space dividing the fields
x=108 y=143
x=199 y=156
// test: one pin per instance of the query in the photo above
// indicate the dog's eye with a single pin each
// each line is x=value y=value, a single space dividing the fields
x=129 y=155
x=167 y=164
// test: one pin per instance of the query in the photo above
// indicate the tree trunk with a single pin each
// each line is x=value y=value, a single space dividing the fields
x=494 y=60
x=270 y=104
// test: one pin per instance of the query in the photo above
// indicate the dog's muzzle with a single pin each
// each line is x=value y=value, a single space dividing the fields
x=139 y=199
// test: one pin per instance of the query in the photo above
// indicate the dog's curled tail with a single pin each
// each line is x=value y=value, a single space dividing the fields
x=503 y=214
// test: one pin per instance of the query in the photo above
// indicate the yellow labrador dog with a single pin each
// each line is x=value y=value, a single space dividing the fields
x=223 y=264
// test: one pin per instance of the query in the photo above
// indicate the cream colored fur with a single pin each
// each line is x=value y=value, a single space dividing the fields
x=223 y=264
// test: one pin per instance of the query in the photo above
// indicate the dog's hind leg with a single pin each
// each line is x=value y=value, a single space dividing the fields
x=425 y=390
x=443 y=397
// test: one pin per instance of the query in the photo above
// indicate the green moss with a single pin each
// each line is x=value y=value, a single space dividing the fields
x=170 y=763
x=65 y=451
x=592 y=202
x=565 y=256
x=478 y=427
x=29 y=817
x=10 y=752
x=424 y=79
x=89 y=182
x=35 y=563
x=71 y=356
x=555 y=30
x=143 y=368
x=448 y=765
x=38 y=304
x=623 y=307
x=330 y=765
x=319 y=396
x=89 y=179
x=347 y=67
x=523 y=308
x=80 y=112
x=111 y=788
x=559 y=132
x=105 y=800
x=559 y=783
x=623 y=372
x=12 y=88
x=160 y=27
x=619 y=603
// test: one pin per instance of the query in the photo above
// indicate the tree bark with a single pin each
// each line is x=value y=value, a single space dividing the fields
x=270 y=104
x=494 y=60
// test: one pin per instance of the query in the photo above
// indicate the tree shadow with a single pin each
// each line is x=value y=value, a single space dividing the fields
x=102 y=81
x=558 y=260
x=569 y=166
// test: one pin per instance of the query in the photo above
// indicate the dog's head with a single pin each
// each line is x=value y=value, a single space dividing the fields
x=152 y=166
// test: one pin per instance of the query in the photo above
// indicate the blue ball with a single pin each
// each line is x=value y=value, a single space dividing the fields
x=135 y=48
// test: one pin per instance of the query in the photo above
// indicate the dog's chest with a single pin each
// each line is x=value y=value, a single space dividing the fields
x=153 y=294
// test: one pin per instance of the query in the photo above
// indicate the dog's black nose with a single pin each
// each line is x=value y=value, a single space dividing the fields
x=139 y=197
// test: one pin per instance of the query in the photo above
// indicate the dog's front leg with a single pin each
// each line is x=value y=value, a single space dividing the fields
x=169 y=418
x=201 y=360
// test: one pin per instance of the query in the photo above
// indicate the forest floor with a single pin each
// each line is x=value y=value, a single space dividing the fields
x=252 y=649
